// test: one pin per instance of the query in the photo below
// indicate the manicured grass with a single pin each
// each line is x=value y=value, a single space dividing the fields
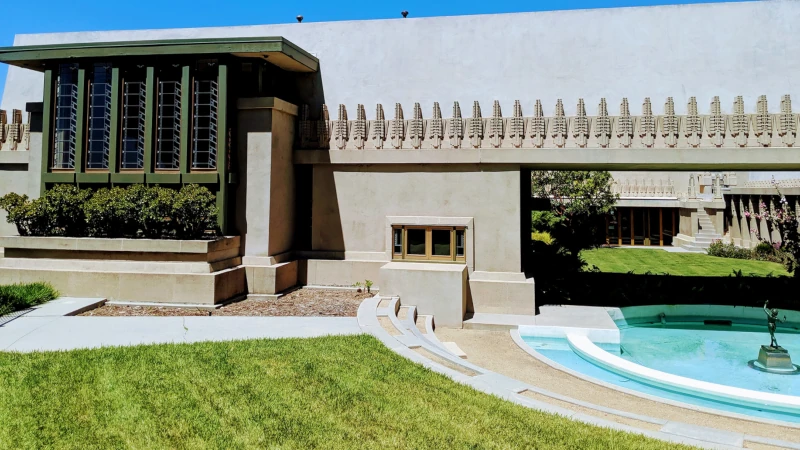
x=14 y=297
x=624 y=260
x=333 y=392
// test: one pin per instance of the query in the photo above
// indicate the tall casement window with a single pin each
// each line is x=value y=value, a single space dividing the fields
x=168 y=134
x=133 y=120
x=99 y=129
x=204 y=116
x=428 y=243
x=66 y=117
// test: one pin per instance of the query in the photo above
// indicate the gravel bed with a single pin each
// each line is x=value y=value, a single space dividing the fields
x=301 y=302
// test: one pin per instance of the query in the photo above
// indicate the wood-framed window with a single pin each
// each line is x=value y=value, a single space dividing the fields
x=429 y=243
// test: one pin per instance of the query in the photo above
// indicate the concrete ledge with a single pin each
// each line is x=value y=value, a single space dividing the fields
x=439 y=290
x=14 y=157
x=271 y=280
x=119 y=245
x=502 y=296
x=209 y=288
x=678 y=159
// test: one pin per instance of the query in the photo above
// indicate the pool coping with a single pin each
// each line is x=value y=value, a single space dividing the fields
x=586 y=349
x=517 y=338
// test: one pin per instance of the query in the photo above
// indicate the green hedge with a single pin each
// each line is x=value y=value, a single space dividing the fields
x=137 y=211
x=764 y=251
x=14 y=297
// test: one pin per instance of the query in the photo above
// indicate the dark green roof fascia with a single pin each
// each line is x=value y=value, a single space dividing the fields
x=27 y=53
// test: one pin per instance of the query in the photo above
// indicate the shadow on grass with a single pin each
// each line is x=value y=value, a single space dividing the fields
x=560 y=280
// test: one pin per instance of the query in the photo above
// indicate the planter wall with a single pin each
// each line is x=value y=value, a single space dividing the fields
x=201 y=272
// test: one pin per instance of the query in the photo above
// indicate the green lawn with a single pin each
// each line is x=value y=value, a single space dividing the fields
x=333 y=392
x=624 y=260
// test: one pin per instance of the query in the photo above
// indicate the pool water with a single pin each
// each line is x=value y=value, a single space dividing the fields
x=713 y=353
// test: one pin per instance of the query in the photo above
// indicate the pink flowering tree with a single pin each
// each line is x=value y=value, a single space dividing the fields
x=784 y=221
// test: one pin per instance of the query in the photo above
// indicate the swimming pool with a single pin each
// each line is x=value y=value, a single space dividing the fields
x=690 y=348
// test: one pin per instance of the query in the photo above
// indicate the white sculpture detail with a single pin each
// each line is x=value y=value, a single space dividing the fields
x=602 y=125
x=739 y=123
x=476 y=126
x=436 y=127
x=516 y=126
x=378 y=130
x=669 y=124
x=416 y=127
x=456 y=128
x=538 y=125
x=715 y=123
x=496 y=126
x=647 y=124
x=581 y=125
x=693 y=125
x=625 y=124
x=398 y=127
x=340 y=128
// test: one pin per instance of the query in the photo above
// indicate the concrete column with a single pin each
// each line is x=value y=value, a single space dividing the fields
x=266 y=192
x=744 y=222
x=735 y=229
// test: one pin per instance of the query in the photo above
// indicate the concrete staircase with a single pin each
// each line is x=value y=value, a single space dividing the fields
x=706 y=233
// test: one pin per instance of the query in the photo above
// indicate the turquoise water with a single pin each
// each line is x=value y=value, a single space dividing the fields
x=717 y=354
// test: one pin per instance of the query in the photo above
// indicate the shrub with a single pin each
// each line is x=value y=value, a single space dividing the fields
x=194 y=212
x=65 y=203
x=152 y=210
x=108 y=213
x=542 y=236
x=138 y=210
x=723 y=250
x=14 y=297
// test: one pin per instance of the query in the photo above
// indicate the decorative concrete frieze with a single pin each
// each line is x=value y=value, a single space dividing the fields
x=693 y=124
x=558 y=128
x=341 y=128
x=669 y=124
x=580 y=125
x=416 y=127
x=14 y=130
x=456 y=127
x=436 y=127
x=475 y=126
x=538 y=126
x=26 y=135
x=787 y=123
x=496 y=134
x=693 y=130
x=739 y=123
x=516 y=126
x=378 y=128
x=647 y=124
x=359 y=128
x=715 y=124
x=397 y=127
x=644 y=187
x=602 y=125
x=305 y=127
x=324 y=128
x=3 y=125
x=624 y=125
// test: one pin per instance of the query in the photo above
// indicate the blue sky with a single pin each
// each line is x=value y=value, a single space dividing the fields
x=48 y=16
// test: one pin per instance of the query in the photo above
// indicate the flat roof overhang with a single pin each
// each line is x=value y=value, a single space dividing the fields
x=275 y=50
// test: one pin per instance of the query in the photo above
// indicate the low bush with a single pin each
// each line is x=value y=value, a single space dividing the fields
x=542 y=236
x=14 y=297
x=723 y=250
x=764 y=251
x=136 y=211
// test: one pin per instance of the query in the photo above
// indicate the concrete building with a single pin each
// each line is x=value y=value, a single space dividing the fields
x=339 y=151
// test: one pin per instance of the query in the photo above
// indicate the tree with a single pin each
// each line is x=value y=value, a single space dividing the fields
x=785 y=222
x=579 y=203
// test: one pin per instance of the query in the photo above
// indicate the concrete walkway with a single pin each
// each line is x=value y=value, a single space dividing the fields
x=46 y=328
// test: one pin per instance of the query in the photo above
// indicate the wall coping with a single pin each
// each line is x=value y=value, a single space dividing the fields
x=119 y=245
x=267 y=103
x=14 y=157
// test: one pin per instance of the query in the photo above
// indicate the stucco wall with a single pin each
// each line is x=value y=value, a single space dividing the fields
x=351 y=203
x=16 y=177
x=702 y=50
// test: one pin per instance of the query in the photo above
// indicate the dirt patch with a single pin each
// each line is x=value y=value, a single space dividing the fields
x=302 y=302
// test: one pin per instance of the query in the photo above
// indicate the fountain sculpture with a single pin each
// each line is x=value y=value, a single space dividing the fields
x=773 y=358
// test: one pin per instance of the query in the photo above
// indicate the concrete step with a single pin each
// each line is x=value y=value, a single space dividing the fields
x=497 y=322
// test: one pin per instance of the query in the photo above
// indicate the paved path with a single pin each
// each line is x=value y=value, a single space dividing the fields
x=41 y=330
